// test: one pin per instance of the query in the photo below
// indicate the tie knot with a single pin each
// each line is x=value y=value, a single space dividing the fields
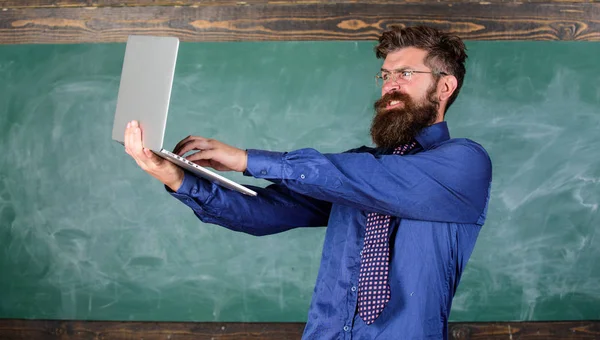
x=404 y=148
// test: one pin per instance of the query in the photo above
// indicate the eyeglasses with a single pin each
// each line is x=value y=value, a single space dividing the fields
x=403 y=76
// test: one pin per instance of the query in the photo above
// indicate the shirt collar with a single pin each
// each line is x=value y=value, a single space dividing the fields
x=433 y=134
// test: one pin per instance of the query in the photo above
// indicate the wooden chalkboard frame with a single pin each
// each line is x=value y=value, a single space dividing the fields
x=95 y=21
x=100 y=21
x=18 y=329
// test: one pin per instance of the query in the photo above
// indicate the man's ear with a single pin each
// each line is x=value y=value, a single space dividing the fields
x=446 y=87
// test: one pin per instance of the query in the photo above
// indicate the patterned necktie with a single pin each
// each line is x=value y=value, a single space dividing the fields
x=373 y=285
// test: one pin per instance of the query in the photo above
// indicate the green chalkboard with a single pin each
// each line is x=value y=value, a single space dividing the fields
x=85 y=234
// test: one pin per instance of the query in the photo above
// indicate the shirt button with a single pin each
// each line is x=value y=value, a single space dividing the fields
x=302 y=176
x=346 y=328
x=263 y=172
x=353 y=288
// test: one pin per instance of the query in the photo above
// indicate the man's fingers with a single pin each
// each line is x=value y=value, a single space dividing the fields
x=182 y=142
x=198 y=143
x=151 y=157
x=186 y=147
x=127 y=138
x=202 y=155
x=136 y=144
x=142 y=153
x=147 y=160
x=211 y=163
x=149 y=153
x=206 y=158
x=204 y=163
x=133 y=143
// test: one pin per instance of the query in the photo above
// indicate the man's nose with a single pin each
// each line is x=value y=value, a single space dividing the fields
x=390 y=86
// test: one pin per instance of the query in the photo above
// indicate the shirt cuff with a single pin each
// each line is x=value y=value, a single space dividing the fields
x=192 y=191
x=264 y=164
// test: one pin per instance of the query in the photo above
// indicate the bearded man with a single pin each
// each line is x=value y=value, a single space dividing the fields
x=402 y=217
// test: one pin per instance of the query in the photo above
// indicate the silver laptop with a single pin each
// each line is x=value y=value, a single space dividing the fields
x=144 y=94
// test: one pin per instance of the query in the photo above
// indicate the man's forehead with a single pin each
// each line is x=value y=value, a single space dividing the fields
x=406 y=57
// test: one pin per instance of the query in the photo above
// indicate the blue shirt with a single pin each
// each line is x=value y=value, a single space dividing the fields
x=437 y=193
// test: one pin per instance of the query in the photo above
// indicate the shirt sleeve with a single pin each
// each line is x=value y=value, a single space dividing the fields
x=273 y=210
x=449 y=183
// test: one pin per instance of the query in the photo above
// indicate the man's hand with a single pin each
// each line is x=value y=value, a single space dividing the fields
x=212 y=153
x=161 y=169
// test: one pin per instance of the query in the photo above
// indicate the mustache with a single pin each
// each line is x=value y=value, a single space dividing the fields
x=382 y=102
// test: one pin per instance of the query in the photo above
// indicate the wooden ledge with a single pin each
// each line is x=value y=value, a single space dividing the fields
x=260 y=21
x=18 y=329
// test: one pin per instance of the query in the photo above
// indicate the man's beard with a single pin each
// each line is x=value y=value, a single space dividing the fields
x=394 y=127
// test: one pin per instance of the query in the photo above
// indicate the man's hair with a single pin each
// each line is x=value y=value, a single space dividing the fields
x=445 y=52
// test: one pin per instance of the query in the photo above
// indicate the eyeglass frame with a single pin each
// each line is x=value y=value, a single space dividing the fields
x=394 y=75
